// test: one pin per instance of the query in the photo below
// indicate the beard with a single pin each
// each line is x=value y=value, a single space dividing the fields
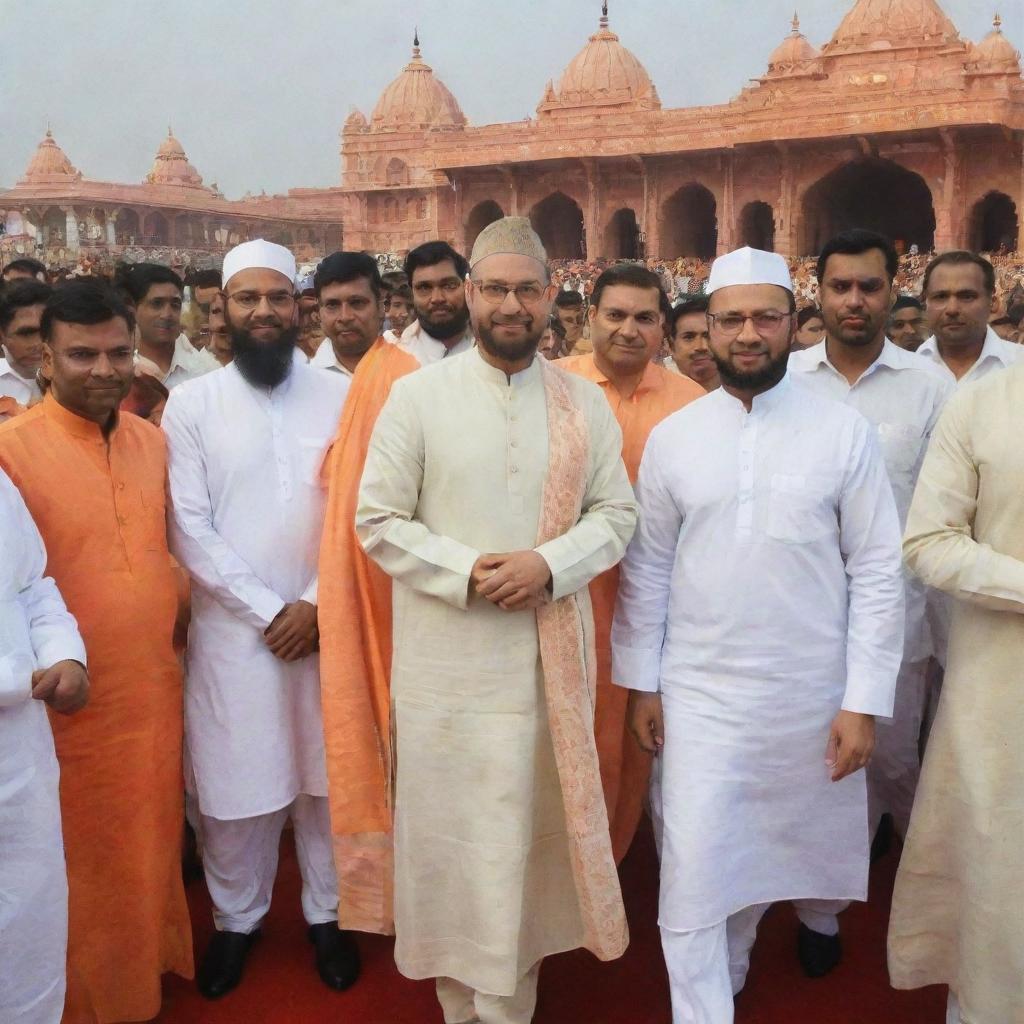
x=445 y=329
x=510 y=351
x=756 y=380
x=264 y=364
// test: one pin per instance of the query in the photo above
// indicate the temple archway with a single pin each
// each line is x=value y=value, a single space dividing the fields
x=332 y=237
x=994 y=223
x=622 y=237
x=757 y=226
x=689 y=223
x=158 y=231
x=480 y=216
x=875 y=194
x=126 y=228
x=559 y=222
x=397 y=172
x=54 y=226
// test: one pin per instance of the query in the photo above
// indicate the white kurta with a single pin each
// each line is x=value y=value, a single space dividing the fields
x=426 y=349
x=761 y=593
x=188 y=362
x=248 y=511
x=456 y=468
x=13 y=385
x=324 y=358
x=36 y=631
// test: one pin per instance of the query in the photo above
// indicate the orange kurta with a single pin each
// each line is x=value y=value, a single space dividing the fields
x=100 y=510
x=625 y=768
x=355 y=659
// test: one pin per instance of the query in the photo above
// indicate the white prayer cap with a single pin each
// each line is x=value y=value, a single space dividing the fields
x=749 y=266
x=508 y=235
x=261 y=254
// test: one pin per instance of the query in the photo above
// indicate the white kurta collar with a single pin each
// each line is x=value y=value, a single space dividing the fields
x=762 y=404
x=490 y=373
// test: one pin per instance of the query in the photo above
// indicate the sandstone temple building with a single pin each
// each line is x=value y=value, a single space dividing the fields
x=895 y=123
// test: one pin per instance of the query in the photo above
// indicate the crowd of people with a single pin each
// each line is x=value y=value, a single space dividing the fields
x=339 y=548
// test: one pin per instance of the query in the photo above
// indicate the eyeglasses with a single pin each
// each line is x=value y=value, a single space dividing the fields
x=526 y=294
x=732 y=323
x=250 y=300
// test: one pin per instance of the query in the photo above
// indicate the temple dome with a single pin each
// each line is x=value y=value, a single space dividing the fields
x=49 y=162
x=878 y=22
x=417 y=99
x=794 y=49
x=603 y=74
x=171 y=166
x=995 y=50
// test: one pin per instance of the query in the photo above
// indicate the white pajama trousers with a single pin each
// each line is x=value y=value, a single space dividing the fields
x=461 y=1004
x=895 y=766
x=240 y=862
x=708 y=966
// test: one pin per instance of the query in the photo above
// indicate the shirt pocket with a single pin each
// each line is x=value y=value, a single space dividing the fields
x=802 y=507
x=901 y=447
x=312 y=454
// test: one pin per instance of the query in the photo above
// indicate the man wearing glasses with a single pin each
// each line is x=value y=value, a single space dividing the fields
x=437 y=275
x=759 y=626
x=245 y=446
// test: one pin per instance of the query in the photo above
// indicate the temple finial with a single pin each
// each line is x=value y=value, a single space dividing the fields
x=416 y=41
x=604 y=14
x=170 y=134
x=796 y=23
x=997 y=23
x=49 y=132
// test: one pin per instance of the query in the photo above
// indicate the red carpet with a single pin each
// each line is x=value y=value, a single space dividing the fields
x=281 y=987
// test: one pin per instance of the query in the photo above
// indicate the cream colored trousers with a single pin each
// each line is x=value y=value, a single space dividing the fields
x=463 y=1005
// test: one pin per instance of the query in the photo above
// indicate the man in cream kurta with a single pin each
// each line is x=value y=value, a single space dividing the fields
x=36 y=632
x=957 y=907
x=762 y=599
x=496 y=866
x=245 y=446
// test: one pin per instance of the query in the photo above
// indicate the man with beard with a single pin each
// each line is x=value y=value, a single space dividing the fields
x=436 y=275
x=21 y=309
x=348 y=290
x=959 y=296
x=627 y=325
x=245 y=451
x=689 y=342
x=901 y=396
x=156 y=294
x=906 y=323
x=493 y=493
x=759 y=625
x=94 y=481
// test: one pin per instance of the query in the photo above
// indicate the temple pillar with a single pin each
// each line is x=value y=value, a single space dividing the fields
x=786 y=241
x=110 y=226
x=727 y=217
x=950 y=208
x=71 y=239
x=514 y=190
x=459 y=188
x=649 y=214
x=594 y=245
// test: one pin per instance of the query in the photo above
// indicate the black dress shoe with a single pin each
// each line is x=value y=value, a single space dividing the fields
x=337 y=958
x=223 y=963
x=818 y=953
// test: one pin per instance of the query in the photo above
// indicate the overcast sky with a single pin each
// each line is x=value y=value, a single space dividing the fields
x=257 y=90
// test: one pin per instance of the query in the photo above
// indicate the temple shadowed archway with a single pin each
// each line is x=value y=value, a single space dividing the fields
x=158 y=231
x=480 y=216
x=757 y=226
x=126 y=227
x=622 y=237
x=333 y=238
x=689 y=224
x=994 y=223
x=559 y=222
x=875 y=194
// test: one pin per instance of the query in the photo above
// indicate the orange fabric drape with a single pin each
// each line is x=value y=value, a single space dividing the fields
x=100 y=509
x=355 y=660
x=625 y=768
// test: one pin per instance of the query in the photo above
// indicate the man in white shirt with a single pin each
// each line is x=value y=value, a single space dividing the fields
x=437 y=275
x=398 y=307
x=759 y=625
x=348 y=291
x=245 y=447
x=42 y=660
x=156 y=293
x=959 y=296
x=901 y=396
x=21 y=310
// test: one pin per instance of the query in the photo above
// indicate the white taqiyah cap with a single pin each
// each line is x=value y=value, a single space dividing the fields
x=749 y=266
x=261 y=254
